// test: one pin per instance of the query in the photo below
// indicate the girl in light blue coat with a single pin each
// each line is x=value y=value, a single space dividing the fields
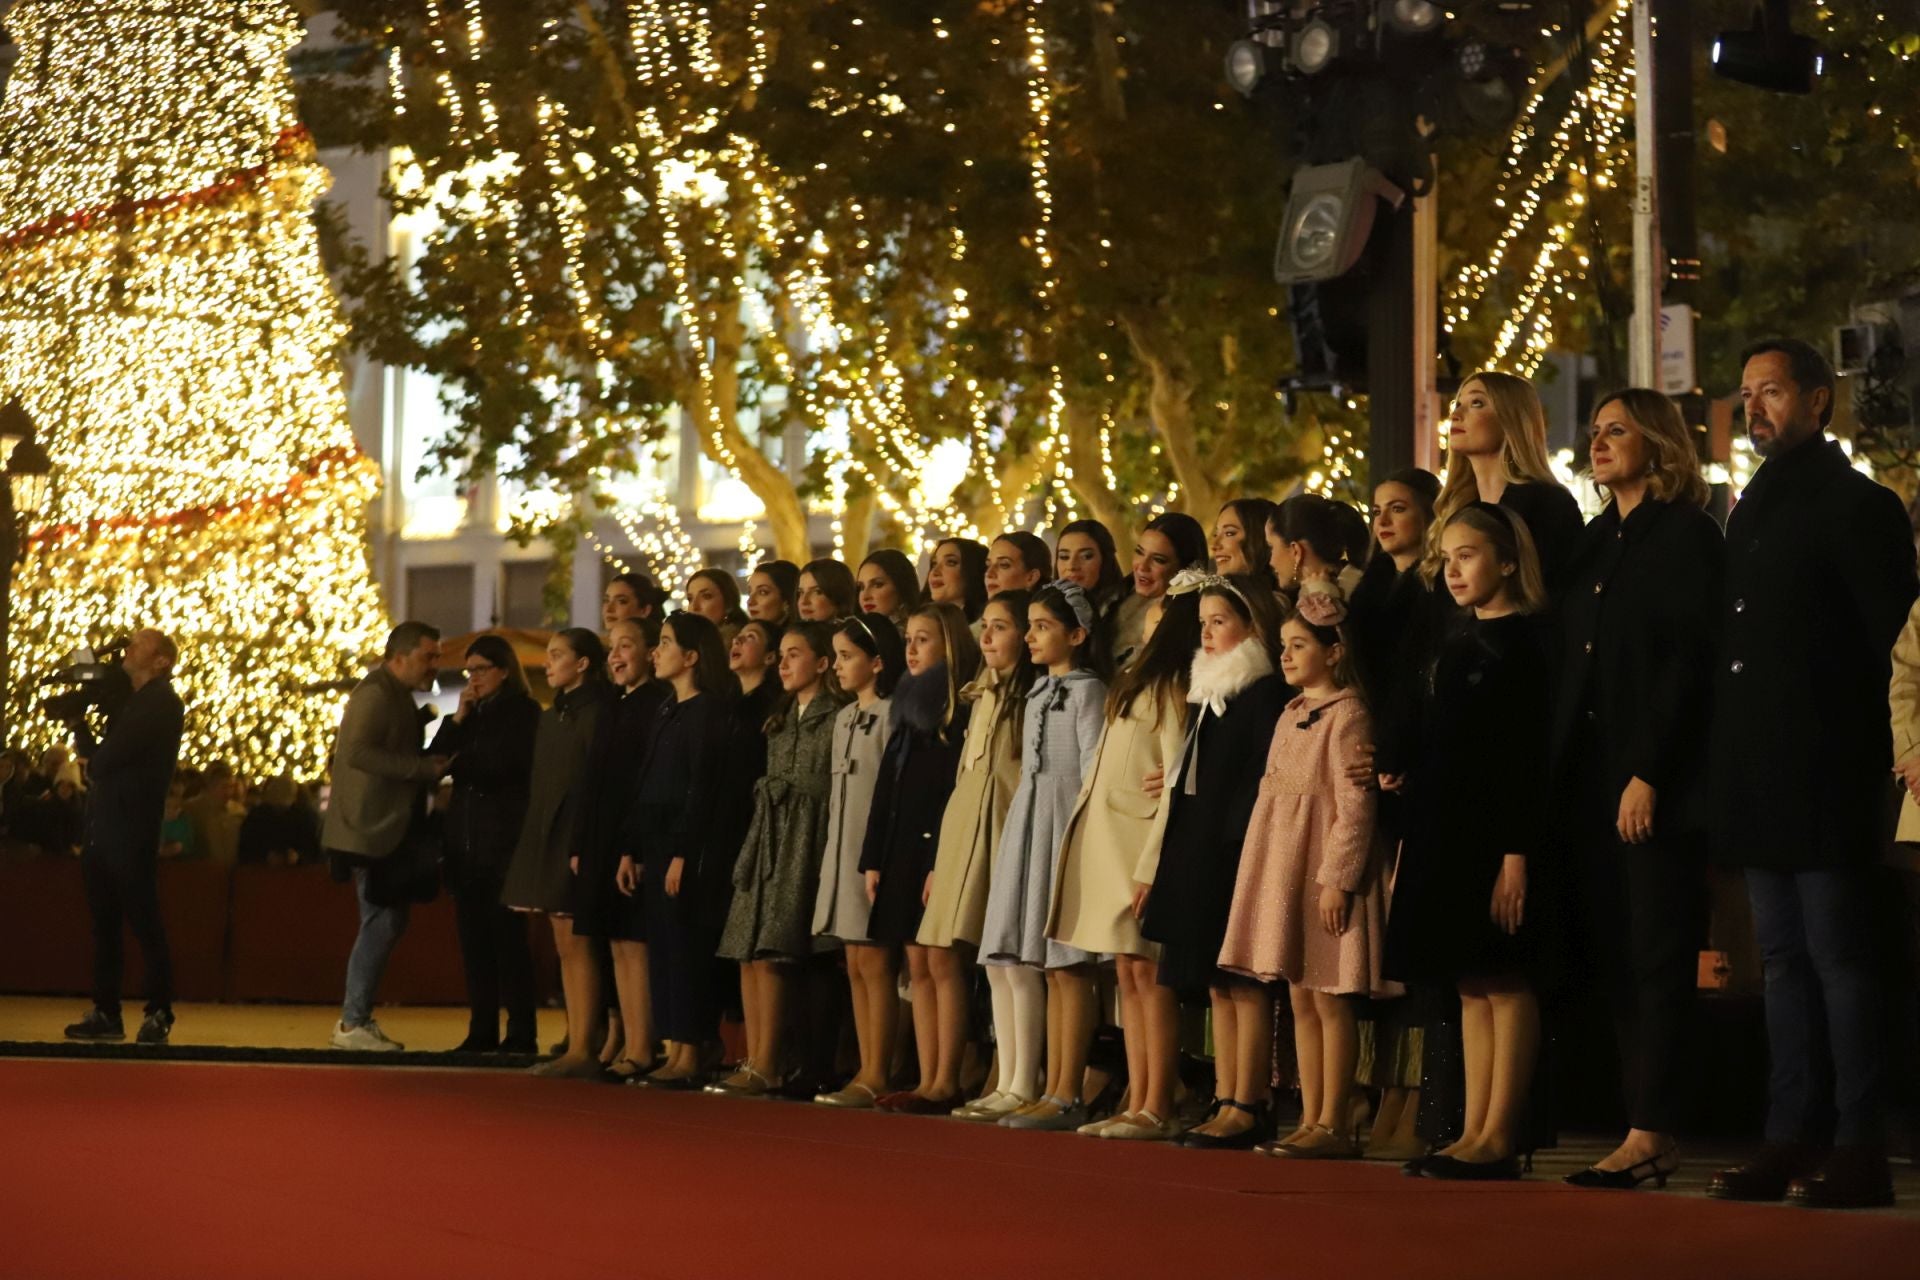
x=1064 y=717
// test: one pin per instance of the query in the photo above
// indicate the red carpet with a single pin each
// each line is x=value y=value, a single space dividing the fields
x=125 y=1169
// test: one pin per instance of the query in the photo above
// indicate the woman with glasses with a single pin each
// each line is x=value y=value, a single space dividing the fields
x=490 y=740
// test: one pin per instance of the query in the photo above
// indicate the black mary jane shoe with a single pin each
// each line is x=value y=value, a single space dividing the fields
x=1261 y=1130
x=1452 y=1169
x=1656 y=1169
x=1418 y=1165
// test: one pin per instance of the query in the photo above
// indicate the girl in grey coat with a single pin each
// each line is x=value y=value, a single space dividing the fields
x=777 y=877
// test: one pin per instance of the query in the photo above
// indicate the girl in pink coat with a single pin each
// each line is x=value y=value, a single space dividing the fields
x=1309 y=906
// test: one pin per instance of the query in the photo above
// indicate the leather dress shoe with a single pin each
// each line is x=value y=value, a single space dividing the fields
x=1849 y=1178
x=1765 y=1177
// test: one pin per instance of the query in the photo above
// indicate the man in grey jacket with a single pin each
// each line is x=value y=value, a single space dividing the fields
x=379 y=773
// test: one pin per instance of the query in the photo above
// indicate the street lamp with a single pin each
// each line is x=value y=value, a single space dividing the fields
x=23 y=499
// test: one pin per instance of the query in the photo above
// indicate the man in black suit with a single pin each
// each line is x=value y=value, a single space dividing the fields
x=1820 y=575
x=130 y=769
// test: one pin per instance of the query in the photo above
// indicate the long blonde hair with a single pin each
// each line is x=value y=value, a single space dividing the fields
x=1523 y=454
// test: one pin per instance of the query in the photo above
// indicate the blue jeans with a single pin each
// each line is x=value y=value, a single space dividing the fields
x=380 y=929
x=1824 y=1005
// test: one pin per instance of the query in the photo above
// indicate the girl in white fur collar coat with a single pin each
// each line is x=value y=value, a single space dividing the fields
x=1235 y=697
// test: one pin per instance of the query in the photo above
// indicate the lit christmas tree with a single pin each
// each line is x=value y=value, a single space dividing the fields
x=165 y=319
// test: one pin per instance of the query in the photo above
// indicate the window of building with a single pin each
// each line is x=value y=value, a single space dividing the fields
x=442 y=596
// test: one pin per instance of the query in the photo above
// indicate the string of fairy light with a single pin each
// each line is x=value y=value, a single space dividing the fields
x=1597 y=113
x=165 y=319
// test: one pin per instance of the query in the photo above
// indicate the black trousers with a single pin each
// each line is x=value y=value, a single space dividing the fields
x=499 y=963
x=1642 y=914
x=123 y=893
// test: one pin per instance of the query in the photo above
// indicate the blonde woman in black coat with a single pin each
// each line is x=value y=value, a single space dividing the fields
x=1628 y=744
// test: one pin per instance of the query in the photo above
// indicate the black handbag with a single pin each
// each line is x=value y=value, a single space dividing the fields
x=411 y=873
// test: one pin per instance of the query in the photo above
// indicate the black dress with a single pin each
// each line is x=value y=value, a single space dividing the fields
x=1477 y=791
x=1396 y=622
x=1200 y=852
x=600 y=910
x=917 y=773
x=676 y=814
x=1554 y=520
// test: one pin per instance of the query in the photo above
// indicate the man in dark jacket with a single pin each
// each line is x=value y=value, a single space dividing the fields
x=130 y=769
x=380 y=776
x=1820 y=575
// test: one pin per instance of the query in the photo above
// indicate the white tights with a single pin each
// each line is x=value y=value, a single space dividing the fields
x=1019 y=1027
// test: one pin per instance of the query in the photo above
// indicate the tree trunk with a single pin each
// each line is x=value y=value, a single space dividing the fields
x=723 y=440
x=856 y=527
x=1081 y=424
x=717 y=401
x=1170 y=406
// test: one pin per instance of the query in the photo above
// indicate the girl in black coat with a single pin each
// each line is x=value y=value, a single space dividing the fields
x=917 y=774
x=600 y=910
x=1629 y=743
x=669 y=861
x=1397 y=617
x=547 y=857
x=1467 y=901
x=489 y=738
x=1237 y=698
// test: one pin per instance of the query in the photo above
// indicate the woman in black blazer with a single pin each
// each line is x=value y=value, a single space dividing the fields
x=1629 y=742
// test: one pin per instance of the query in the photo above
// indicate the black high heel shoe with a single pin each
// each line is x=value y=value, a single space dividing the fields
x=1261 y=1130
x=1655 y=1169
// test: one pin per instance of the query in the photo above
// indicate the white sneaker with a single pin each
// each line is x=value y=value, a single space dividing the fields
x=367 y=1038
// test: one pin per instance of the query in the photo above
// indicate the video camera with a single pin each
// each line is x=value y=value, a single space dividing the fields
x=97 y=680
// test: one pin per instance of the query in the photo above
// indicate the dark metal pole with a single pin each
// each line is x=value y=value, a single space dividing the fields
x=9 y=549
x=1390 y=309
x=1679 y=237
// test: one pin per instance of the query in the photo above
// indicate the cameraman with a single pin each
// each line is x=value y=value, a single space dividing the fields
x=129 y=771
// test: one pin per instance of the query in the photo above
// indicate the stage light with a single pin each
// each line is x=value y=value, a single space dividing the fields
x=1315 y=45
x=1330 y=213
x=1487 y=84
x=1246 y=64
x=1769 y=55
x=1471 y=58
x=1411 y=17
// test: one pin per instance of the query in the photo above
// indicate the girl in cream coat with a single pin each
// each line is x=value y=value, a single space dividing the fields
x=1112 y=845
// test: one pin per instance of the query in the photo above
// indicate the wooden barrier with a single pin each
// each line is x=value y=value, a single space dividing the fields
x=239 y=933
